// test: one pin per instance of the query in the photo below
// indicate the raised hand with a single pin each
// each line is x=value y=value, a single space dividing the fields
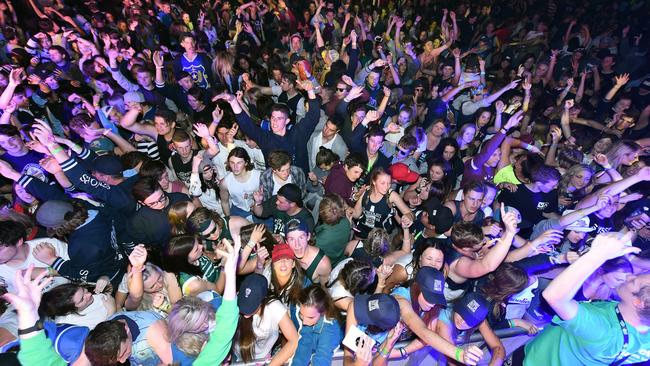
x=257 y=236
x=158 y=59
x=509 y=220
x=547 y=240
x=230 y=253
x=499 y=106
x=613 y=245
x=514 y=120
x=50 y=165
x=568 y=104
x=621 y=80
x=101 y=284
x=355 y=92
x=27 y=296
x=201 y=130
x=138 y=257
x=16 y=76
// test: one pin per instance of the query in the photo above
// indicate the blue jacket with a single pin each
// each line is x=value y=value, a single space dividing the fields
x=317 y=343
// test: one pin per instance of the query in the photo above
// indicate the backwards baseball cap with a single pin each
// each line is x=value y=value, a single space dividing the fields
x=581 y=225
x=439 y=215
x=133 y=97
x=379 y=310
x=432 y=285
x=401 y=173
x=296 y=224
x=67 y=339
x=473 y=308
x=281 y=251
x=292 y=193
x=252 y=292
x=107 y=164
x=52 y=213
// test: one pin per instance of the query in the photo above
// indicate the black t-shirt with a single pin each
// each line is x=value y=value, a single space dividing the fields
x=601 y=225
x=26 y=164
x=531 y=205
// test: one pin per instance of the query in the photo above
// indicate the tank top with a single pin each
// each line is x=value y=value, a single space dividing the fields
x=406 y=261
x=142 y=353
x=454 y=290
x=241 y=194
x=478 y=218
x=314 y=264
x=374 y=215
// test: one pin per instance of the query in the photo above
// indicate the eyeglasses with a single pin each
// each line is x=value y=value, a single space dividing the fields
x=162 y=199
x=341 y=89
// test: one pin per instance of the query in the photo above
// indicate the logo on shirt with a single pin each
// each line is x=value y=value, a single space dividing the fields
x=542 y=206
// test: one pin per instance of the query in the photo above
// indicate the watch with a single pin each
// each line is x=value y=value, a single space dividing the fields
x=35 y=328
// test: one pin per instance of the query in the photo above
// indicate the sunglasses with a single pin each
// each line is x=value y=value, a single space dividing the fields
x=212 y=232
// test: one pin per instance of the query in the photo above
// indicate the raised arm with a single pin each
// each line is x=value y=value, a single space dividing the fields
x=137 y=258
x=561 y=291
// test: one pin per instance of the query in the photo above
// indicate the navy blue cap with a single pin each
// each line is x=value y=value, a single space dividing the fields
x=252 y=292
x=473 y=308
x=380 y=310
x=432 y=285
x=107 y=164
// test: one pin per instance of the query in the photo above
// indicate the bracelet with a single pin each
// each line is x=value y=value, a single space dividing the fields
x=384 y=352
x=529 y=147
x=511 y=323
x=251 y=244
x=607 y=166
x=503 y=131
x=459 y=354
x=56 y=150
x=402 y=352
x=482 y=73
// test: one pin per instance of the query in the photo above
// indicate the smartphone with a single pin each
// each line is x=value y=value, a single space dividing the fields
x=354 y=339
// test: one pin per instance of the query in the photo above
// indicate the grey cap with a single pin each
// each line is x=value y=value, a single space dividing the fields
x=52 y=213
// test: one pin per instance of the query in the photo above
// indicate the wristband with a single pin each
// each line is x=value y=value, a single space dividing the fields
x=459 y=354
x=251 y=244
x=402 y=352
x=482 y=73
x=503 y=131
x=529 y=147
x=384 y=352
x=56 y=150
x=511 y=323
x=607 y=166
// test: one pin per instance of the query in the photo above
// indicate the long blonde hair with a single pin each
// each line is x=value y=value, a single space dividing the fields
x=222 y=65
x=189 y=324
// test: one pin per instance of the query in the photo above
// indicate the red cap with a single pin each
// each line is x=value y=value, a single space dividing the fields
x=400 y=172
x=281 y=251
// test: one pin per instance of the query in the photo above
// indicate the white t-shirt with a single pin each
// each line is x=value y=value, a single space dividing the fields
x=8 y=272
x=267 y=329
x=241 y=193
x=94 y=314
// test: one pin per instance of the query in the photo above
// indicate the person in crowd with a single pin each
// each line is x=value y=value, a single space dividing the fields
x=481 y=141
x=74 y=304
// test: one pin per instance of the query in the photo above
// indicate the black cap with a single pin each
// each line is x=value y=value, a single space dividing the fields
x=439 y=215
x=292 y=193
x=107 y=164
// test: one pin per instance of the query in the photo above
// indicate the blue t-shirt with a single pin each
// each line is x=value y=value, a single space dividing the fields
x=196 y=69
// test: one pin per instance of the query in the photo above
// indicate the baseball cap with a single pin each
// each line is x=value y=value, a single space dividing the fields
x=133 y=97
x=581 y=225
x=473 y=308
x=439 y=215
x=296 y=224
x=107 y=164
x=281 y=251
x=52 y=213
x=292 y=193
x=401 y=173
x=252 y=292
x=380 y=310
x=432 y=285
x=67 y=339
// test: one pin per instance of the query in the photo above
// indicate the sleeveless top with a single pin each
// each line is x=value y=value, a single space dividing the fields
x=478 y=218
x=309 y=272
x=241 y=194
x=142 y=353
x=181 y=358
x=406 y=262
x=454 y=290
x=374 y=215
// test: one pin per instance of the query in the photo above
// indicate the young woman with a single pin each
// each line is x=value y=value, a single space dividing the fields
x=146 y=286
x=465 y=139
x=211 y=228
x=448 y=152
x=178 y=214
x=240 y=183
x=286 y=277
x=73 y=304
x=262 y=319
x=184 y=256
x=319 y=325
x=158 y=170
x=376 y=208
x=349 y=278
x=431 y=253
x=574 y=185
x=603 y=283
x=622 y=153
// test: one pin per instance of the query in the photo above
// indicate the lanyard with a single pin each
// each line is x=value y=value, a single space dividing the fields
x=626 y=338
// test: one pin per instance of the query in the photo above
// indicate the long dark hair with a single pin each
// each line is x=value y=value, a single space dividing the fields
x=429 y=243
x=246 y=333
x=174 y=258
x=429 y=316
x=58 y=301
x=317 y=297
x=504 y=282
x=290 y=292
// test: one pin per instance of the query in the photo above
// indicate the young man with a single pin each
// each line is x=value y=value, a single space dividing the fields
x=623 y=328
x=285 y=206
x=16 y=254
x=326 y=135
x=312 y=259
x=162 y=130
x=21 y=158
x=198 y=65
x=536 y=200
x=280 y=137
x=280 y=172
x=469 y=209
x=344 y=176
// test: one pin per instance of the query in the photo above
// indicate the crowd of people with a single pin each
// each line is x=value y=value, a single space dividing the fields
x=268 y=182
